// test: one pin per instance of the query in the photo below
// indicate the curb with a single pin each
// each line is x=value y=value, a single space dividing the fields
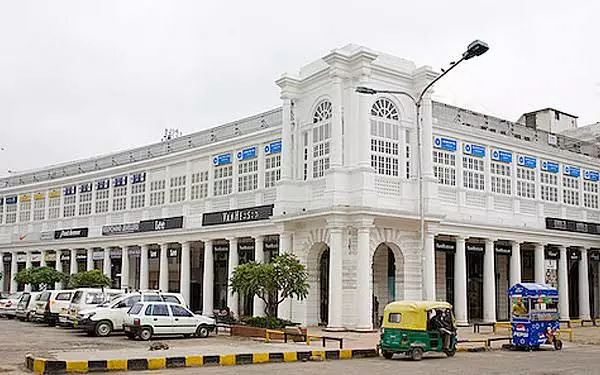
x=54 y=367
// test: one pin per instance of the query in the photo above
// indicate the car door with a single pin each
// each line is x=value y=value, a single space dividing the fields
x=119 y=310
x=160 y=319
x=183 y=320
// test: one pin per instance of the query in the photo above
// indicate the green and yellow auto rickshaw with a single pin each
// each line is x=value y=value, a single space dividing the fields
x=416 y=327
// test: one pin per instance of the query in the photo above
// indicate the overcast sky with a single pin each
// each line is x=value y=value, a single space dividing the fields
x=82 y=78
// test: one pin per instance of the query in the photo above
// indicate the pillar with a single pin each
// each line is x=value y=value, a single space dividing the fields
x=208 y=280
x=163 y=276
x=232 y=298
x=427 y=137
x=429 y=268
x=563 y=284
x=259 y=257
x=43 y=258
x=13 y=271
x=28 y=266
x=73 y=260
x=144 y=267
x=106 y=263
x=90 y=259
x=540 y=268
x=489 y=282
x=2 y=271
x=284 y=310
x=336 y=123
x=364 y=302
x=460 y=283
x=336 y=250
x=363 y=140
x=184 y=275
x=584 y=287
x=286 y=140
x=58 y=267
x=515 y=263
x=124 y=267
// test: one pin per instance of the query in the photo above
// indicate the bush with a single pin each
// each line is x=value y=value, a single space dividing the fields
x=268 y=322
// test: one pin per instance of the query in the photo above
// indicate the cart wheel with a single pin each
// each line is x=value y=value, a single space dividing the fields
x=558 y=344
x=416 y=354
x=387 y=354
x=450 y=352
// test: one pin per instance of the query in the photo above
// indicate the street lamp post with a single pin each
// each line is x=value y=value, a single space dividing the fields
x=476 y=48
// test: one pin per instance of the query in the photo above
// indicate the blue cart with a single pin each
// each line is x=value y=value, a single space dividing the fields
x=534 y=316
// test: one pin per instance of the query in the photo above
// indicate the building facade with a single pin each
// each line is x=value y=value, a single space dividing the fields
x=331 y=176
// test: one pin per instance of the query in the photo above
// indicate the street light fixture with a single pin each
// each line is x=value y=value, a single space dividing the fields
x=474 y=49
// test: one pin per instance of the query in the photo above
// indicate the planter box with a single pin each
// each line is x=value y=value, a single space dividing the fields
x=248 y=331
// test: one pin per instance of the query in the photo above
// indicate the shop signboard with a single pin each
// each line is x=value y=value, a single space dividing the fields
x=153 y=253
x=161 y=224
x=503 y=249
x=173 y=253
x=444 y=143
x=475 y=247
x=474 y=150
x=70 y=233
x=502 y=156
x=128 y=228
x=239 y=215
x=572 y=226
x=441 y=245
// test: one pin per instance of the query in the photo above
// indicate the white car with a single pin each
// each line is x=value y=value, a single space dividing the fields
x=149 y=319
x=8 y=307
x=26 y=306
x=86 y=299
x=110 y=316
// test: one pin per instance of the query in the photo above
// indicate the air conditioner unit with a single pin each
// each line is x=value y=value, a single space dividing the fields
x=552 y=140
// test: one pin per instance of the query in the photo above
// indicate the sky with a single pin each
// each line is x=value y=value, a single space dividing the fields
x=83 y=78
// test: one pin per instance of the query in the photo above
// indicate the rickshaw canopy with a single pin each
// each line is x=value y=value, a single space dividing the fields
x=412 y=314
x=532 y=289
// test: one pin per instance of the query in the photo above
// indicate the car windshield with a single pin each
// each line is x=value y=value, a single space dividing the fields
x=77 y=297
x=45 y=296
x=135 y=309
x=94 y=298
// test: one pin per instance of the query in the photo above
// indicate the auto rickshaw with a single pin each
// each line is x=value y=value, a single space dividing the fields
x=416 y=327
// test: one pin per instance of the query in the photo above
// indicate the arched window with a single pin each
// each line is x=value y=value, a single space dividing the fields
x=385 y=138
x=321 y=135
x=322 y=112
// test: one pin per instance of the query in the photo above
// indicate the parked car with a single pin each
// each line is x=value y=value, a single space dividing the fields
x=110 y=316
x=58 y=304
x=8 y=307
x=85 y=299
x=26 y=306
x=148 y=319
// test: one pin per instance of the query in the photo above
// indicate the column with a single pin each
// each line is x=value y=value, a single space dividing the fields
x=336 y=123
x=2 y=271
x=185 y=272
x=144 y=267
x=259 y=257
x=363 y=143
x=124 y=267
x=429 y=268
x=540 y=268
x=73 y=260
x=28 y=266
x=232 y=298
x=427 y=136
x=489 y=282
x=286 y=140
x=363 y=275
x=208 y=280
x=460 y=283
x=335 y=279
x=43 y=258
x=13 y=271
x=90 y=259
x=163 y=276
x=106 y=263
x=563 y=284
x=584 y=287
x=284 y=310
x=515 y=263
x=58 y=267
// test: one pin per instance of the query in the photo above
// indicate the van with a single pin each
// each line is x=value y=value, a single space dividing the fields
x=26 y=306
x=85 y=299
x=58 y=304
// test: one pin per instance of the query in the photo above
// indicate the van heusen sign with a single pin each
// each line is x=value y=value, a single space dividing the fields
x=144 y=226
x=572 y=226
x=240 y=215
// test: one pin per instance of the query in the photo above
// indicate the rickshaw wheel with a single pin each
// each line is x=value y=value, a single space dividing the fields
x=450 y=352
x=416 y=354
x=558 y=344
x=387 y=355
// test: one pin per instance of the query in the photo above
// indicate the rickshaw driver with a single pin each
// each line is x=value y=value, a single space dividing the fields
x=441 y=321
x=519 y=307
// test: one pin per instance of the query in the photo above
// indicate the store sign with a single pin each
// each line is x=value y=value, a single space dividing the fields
x=591 y=175
x=238 y=216
x=271 y=243
x=173 y=253
x=551 y=253
x=475 y=247
x=11 y=200
x=138 y=177
x=7 y=258
x=572 y=226
x=36 y=257
x=161 y=224
x=273 y=148
x=109 y=230
x=21 y=258
x=153 y=254
x=594 y=255
x=527 y=161
x=103 y=184
x=444 y=143
x=503 y=249
x=550 y=166
x=120 y=181
x=474 y=150
x=81 y=256
x=246 y=153
x=502 y=156
x=221 y=247
x=574 y=254
x=65 y=256
x=70 y=233
x=246 y=246
x=98 y=255
x=572 y=171
x=50 y=257
x=449 y=246
x=222 y=159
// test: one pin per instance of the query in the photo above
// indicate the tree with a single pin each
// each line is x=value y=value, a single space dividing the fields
x=88 y=278
x=285 y=277
x=39 y=278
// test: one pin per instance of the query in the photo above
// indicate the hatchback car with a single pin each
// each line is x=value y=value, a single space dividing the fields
x=149 y=319
x=26 y=306
x=8 y=307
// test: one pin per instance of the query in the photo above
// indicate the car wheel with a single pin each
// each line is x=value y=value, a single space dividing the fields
x=145 y=334
x=416 y=354
x=52 y=323
x=103 y=328
x=130 y=336
x=387 y=354
x=202 y=331
x=450 y=352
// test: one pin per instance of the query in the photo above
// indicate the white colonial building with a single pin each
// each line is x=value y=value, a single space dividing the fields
x=330 y=176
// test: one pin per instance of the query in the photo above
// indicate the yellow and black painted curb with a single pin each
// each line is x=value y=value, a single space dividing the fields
x=49 y=366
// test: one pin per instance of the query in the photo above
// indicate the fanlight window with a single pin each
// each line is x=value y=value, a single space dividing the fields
x=322 y=112
x=386 y=109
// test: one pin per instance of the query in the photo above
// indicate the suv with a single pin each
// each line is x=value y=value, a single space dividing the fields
x=86 y=299
x=26 y=306
x=149 y=319
x=110 y=316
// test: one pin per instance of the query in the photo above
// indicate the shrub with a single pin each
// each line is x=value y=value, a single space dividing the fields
x=267 y=322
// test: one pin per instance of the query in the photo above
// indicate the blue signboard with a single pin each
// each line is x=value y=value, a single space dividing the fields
x=11 y=200
x=120 y=181
x=246 y=153
x=550 y=166
x=273 y=147
x=101 y=185
x=70 y=190
x=138 y=177
x=444 y=143
x=475 y=150
x=222 y=159
x=502 y=156
x=572 y=171
x=591 y=175
x=84 y=188
x=527 y=161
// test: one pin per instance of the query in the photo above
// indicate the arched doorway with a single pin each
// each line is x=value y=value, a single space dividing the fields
x=324 y=288
x=317 y=302
x=387 y=279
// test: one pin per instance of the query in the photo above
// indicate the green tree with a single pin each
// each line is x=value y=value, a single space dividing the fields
x=88 y=278
x=285 y=277
x=39 y=278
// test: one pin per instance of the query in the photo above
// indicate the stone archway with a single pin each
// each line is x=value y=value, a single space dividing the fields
x=318 y=280
x=387 y=281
